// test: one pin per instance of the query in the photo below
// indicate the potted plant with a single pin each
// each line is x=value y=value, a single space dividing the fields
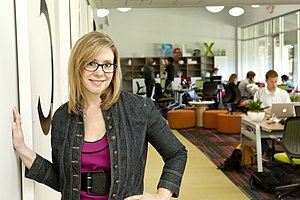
x=255 y=111
x=294 y=97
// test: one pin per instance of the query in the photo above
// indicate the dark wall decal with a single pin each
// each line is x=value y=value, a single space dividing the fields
x=46 y=121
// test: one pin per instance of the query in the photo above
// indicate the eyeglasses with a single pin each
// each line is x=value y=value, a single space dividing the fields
x=106 y=67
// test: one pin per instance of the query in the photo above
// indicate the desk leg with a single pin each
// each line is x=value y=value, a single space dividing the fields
x=199 y=114
x=258 y=149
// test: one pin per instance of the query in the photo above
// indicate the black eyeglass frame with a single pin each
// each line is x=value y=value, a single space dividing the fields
x=100 y=65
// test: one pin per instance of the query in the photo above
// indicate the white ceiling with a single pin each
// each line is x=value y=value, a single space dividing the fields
x=182 y=3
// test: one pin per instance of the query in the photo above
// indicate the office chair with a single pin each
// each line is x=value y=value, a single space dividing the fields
x=291 y=145
x=210 y=92
x=161 y=100
x=234 y=98
x=139 y=92
x=199 y=83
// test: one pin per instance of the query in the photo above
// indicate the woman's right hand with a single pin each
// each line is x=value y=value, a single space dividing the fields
x=25 y=153
x=17 y=133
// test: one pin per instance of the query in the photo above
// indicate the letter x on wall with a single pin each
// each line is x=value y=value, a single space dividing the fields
x=208 y=49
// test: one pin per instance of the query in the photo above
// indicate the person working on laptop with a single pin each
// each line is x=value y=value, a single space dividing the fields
x=268 y=95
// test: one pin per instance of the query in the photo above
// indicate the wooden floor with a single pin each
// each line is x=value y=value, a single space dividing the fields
x=201 y=179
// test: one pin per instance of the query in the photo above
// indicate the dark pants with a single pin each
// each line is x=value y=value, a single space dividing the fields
x=264 y=145
x=168 y=83
x=149 y=87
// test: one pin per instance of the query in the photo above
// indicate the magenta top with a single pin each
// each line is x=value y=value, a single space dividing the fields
x=95 y=156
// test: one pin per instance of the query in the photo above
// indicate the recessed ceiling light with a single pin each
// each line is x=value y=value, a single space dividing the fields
x=214 y=9
x=255 y=6
x=236 y=11
x=102 y=12
x=123 y=9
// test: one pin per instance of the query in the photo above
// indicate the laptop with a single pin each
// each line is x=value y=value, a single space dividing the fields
x=283 y=110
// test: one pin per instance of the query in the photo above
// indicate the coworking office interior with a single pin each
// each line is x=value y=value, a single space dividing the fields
x=258 y=40
x=138 y=33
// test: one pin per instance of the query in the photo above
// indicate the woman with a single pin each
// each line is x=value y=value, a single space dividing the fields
x=233 y=94
x=99 y=138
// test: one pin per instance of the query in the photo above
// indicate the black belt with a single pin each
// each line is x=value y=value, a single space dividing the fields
x=95 y=182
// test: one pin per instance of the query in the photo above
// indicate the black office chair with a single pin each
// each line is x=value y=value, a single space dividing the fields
x=210 y=92
x=233 y=96
x=139 y=92
x=291 y=145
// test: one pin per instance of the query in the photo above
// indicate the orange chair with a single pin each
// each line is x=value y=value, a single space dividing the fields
x=229 y=123
x=179 y=119
x=210 y=118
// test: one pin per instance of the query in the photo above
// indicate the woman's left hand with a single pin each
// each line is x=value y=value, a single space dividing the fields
x=161 y=194
x=144 y=196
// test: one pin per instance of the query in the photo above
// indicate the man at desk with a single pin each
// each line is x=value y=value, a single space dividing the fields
x=268 y=95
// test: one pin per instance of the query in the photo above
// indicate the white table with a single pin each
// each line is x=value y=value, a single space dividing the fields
x=258 y=130
x=200 y=108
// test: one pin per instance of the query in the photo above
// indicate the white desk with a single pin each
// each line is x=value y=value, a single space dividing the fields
x=200 y=108
x=257 y=130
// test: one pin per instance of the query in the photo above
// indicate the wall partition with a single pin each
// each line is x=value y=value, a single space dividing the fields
x=271 y=44
x=42 y=37
x=10 y=168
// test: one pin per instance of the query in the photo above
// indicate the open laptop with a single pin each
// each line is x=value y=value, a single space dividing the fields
x=283 y=110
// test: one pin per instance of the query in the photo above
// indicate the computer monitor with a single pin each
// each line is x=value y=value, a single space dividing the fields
x=217 y=79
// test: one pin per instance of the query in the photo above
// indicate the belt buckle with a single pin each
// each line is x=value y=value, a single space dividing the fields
x=96 y=182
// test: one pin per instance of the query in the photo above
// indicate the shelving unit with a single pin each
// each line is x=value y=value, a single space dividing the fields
x=132 y=68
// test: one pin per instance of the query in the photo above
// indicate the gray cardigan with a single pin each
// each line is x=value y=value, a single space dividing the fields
x=130 y=123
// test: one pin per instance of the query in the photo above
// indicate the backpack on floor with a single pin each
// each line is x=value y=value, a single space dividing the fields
x=248 y=155
x=234 y=162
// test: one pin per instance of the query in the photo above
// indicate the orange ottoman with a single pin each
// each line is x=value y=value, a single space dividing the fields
x=229 y=123
x=210 y=119
x=179 y=119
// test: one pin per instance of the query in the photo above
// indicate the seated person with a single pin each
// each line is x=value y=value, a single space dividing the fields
x=268 y=95
x=247 y=86
x=289 y=86
x=233 y=94
x=215 y=72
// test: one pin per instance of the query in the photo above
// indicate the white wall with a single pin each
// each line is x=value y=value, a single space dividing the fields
x=10 y=172
x=26 y=75
x=140 y=32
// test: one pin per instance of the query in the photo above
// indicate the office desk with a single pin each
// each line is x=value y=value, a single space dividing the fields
x=257 y=130
x=200 y=108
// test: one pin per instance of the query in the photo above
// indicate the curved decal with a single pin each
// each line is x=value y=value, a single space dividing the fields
x=46 y=121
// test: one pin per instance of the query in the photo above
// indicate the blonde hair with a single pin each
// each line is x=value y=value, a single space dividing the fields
x=232 y=78
x=86 y=49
